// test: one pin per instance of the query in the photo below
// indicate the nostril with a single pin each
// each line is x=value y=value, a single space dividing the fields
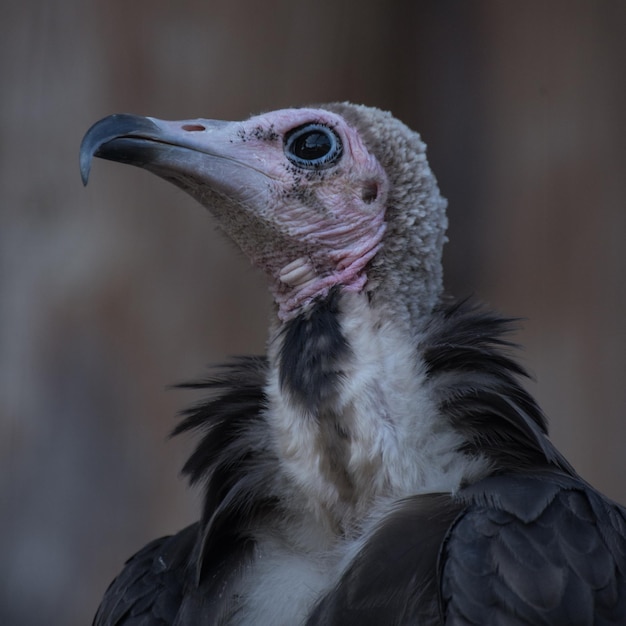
x=193 y=127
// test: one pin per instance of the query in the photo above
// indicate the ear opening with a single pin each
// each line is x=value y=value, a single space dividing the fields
x=369 y=192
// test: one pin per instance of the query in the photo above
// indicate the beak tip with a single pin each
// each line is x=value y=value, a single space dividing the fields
x=86 y=154
x=85 y=167
x=84 y=175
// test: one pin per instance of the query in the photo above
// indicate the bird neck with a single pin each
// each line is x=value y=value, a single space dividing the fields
x=353 y=417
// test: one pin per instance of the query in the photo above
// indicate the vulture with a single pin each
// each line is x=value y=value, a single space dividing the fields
x=383 y=463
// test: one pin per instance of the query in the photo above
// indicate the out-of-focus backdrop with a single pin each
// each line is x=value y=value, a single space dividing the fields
x=112 y=293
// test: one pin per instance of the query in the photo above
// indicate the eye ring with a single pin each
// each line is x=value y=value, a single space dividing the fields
x=313 y=146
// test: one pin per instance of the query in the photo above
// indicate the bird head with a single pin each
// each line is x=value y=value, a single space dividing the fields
x=339 y=195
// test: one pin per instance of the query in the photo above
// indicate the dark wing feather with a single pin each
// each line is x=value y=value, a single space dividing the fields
x=539 y=549
x=392 y=580
x=159 y=587
x=150 y=588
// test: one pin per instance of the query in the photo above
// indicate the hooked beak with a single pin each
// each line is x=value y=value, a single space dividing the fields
x=200 y=156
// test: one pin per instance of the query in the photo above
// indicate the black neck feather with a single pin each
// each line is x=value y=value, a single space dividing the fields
x=478 y=387
x=233 y=458
x=312 y=354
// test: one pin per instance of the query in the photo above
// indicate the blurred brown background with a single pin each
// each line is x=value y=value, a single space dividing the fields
x=109 y=294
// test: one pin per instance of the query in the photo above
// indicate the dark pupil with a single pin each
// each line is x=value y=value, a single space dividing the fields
x=312 y=145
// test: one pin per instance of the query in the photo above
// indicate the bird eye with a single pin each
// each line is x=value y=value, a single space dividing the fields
x=313 y=146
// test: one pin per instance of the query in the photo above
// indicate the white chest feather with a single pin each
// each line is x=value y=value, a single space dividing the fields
x=380 y=441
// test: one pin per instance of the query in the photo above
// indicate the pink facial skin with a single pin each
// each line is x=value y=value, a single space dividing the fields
x=325 y=223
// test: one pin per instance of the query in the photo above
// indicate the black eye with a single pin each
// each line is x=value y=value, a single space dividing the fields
x=313 y=146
